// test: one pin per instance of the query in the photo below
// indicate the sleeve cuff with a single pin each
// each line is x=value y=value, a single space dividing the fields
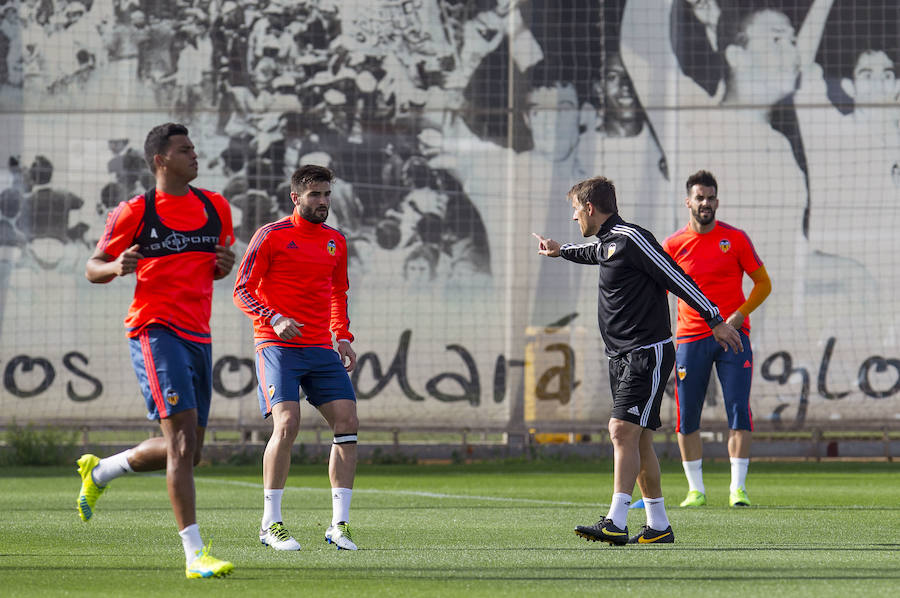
x=715 y=321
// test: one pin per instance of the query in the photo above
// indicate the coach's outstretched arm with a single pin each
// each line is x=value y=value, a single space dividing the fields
x=653 y=259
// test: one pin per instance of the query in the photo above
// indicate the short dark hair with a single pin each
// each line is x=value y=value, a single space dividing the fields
x=701 y=177
x=157 y=141
x=306 y=175
x=599 y=191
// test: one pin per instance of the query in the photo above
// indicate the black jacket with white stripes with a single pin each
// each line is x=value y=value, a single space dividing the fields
x=635 y=273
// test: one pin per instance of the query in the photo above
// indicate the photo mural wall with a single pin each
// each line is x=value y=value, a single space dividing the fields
x=455 y=129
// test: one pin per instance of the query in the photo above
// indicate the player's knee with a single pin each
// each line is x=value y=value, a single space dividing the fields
x=346 y=424
x=198 y=455
x=287 y=426
x=623 y=432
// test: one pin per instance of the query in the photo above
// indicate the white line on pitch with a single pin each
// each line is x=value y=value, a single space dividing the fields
x=438 y=495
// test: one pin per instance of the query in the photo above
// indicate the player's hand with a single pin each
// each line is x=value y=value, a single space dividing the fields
x=547 y=247
x=736 y=319
x=224 y=261
x=348 y=355
x=727 y=336
x=127 y=261
x=287 y=328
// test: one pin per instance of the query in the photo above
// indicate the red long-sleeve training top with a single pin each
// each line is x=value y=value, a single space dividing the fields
x=297 y=269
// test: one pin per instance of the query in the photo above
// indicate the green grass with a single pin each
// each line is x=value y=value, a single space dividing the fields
x=827 y=529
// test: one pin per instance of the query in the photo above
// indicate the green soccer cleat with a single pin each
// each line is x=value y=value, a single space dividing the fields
x=339 y=535
x=694 y=498
x=604 y=531
x=649 y=535
x=90 y=491
x=739 y=498
x=205 y=566
x=278 y=537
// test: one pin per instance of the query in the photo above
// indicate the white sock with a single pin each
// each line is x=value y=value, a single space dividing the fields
x=271 y=507
x=618 y=510
x=656 y=513
x=111 y=468
x=739 y=469
x=191 y=541
x=340 y=504
x=694 y=472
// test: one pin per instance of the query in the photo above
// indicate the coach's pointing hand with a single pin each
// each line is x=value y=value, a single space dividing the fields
x=547 y=247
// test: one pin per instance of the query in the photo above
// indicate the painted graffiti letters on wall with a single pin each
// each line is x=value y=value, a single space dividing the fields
x=455 y=129
x=26 y=377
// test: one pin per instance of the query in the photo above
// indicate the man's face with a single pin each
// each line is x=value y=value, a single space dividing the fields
x=618 y=94
x=553 y=119
x=313 y=202
x=874 y=79
x=771 y=53
x=585 y=215
x=179 y=160
x=418 y=270
x=703 y=204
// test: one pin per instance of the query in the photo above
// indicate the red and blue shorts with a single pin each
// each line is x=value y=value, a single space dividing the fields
x=175 y=374
x=693 y=365
x=283 y=372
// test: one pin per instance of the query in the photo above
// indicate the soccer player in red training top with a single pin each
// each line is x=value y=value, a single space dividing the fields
x=292 y=282
x=716 y=256
x=175 y=239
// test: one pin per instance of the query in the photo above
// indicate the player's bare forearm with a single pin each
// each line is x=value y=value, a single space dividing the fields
x=736 y=320
x=101 y=267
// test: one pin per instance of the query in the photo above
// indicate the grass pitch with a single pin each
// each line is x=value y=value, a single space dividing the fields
x=498 y=529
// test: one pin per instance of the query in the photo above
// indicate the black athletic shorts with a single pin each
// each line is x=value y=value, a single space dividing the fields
x=638 y=380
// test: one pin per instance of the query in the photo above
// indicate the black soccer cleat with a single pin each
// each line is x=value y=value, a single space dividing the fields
x=649 y=535
x=603 y=531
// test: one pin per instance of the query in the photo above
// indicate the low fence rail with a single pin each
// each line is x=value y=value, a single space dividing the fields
x=816 y=441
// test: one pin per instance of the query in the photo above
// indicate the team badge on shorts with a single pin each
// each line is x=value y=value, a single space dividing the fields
x=171 y=397
x=682 y=372
x=332 y=247
x=610 y=250
x=271 y=390
x=724 y=245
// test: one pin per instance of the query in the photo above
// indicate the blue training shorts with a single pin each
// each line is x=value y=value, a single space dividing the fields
x=283 y=371
x=693 y=365
x=175 y=374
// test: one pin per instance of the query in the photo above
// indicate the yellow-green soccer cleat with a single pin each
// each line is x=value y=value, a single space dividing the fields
x=205 y=566
x=694 y=498
x=739 y=498
x=339 y=535
x=90 y=491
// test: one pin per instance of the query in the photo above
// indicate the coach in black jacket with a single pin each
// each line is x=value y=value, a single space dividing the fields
x=633 y=314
